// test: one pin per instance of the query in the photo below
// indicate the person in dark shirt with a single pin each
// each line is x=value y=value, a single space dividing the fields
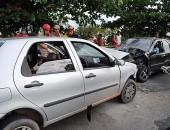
x=71 y=33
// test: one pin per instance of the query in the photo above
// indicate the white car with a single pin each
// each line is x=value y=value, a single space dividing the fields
x=44 y=80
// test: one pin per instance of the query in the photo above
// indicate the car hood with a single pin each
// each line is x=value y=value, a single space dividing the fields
x=115 y=53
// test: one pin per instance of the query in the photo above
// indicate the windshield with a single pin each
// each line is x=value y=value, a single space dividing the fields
x=139 y=43
x=86 y=50
x=1 y=43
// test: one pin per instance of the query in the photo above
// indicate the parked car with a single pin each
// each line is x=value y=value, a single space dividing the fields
x=149 y=54
x=44 y=80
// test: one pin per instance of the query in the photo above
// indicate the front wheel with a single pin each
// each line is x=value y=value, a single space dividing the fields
x=143 y=74
x=19 y=123
x=128 y=92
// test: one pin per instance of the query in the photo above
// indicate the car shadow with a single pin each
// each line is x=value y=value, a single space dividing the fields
x=158 y=81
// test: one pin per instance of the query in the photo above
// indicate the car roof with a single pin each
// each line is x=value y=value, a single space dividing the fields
x=37 y=37
x=150 y=38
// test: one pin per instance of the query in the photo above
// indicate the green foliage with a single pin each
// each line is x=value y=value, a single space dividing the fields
x=137 y=17
x=83 y=30
x=20 y=13
x=143 y=17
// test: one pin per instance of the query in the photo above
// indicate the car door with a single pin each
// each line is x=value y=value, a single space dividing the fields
x=166 y=46
x=54 y=87
x=157 y=59
x=100 y=77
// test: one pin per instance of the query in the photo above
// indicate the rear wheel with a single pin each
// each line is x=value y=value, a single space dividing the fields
x=143 y=74
x=19 y=123
x=128 y=92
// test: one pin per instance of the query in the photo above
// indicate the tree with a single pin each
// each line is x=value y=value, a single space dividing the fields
x=18 y=13
x=83 y=30
x=143 y=17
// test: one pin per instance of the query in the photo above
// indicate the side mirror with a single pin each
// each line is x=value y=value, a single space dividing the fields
x=69 y=67
x=119 y=62
x=152 y=53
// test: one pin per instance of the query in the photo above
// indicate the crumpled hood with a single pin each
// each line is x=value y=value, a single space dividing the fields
x=115 y=53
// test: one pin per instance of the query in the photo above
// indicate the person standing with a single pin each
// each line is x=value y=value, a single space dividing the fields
x=92 y=38
x=46 y=30
x=71 y=33
x=22 y=33
x=42 y=47
x=114 y=41
x=65 y=33
x=101 y=40
x=119 y=38
x=168 y=35
x=57 y=31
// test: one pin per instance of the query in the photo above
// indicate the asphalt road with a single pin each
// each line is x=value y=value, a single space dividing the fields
x=150 y=110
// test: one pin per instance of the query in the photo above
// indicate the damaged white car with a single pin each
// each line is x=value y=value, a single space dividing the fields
x=44 y=80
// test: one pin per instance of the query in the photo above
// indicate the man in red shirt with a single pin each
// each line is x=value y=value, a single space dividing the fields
x=114 y=41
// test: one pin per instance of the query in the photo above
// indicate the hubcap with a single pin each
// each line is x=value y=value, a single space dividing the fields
x=23 y=128
x=144 y=73
x=130 y=91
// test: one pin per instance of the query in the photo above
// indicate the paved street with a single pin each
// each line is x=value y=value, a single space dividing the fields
x=150 y=110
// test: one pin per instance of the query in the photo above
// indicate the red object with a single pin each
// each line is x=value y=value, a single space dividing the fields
x=46 y=27
x=21 y=35
x=93 y=39
x=114 y=42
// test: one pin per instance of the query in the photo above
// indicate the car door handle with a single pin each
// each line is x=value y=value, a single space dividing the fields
x=91 y=75
x=34 y=84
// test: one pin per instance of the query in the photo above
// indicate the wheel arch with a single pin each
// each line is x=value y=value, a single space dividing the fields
x=132 y=77
x=28 y=112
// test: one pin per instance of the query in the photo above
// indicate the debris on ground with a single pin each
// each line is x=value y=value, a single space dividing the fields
x=166 y=69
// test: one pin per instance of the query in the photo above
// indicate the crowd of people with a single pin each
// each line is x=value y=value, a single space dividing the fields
x=70 y=32
x=47 y=31
x=100 y=40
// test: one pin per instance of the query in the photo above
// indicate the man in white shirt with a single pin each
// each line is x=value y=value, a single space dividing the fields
x=119 y=38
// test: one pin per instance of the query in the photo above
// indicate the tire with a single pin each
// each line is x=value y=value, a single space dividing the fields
x=143 y=74
x=19 y=123
x=128 y=92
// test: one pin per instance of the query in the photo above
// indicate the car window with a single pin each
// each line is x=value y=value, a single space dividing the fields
x=166 y=46
x=158 y=47
x=90 y=56
x=47 y=58
x=139 y=43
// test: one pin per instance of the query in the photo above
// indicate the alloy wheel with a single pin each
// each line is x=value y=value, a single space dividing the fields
x=130 y=91
x=23 y=128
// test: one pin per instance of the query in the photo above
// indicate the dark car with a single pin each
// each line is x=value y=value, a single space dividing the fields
x=148 y=53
